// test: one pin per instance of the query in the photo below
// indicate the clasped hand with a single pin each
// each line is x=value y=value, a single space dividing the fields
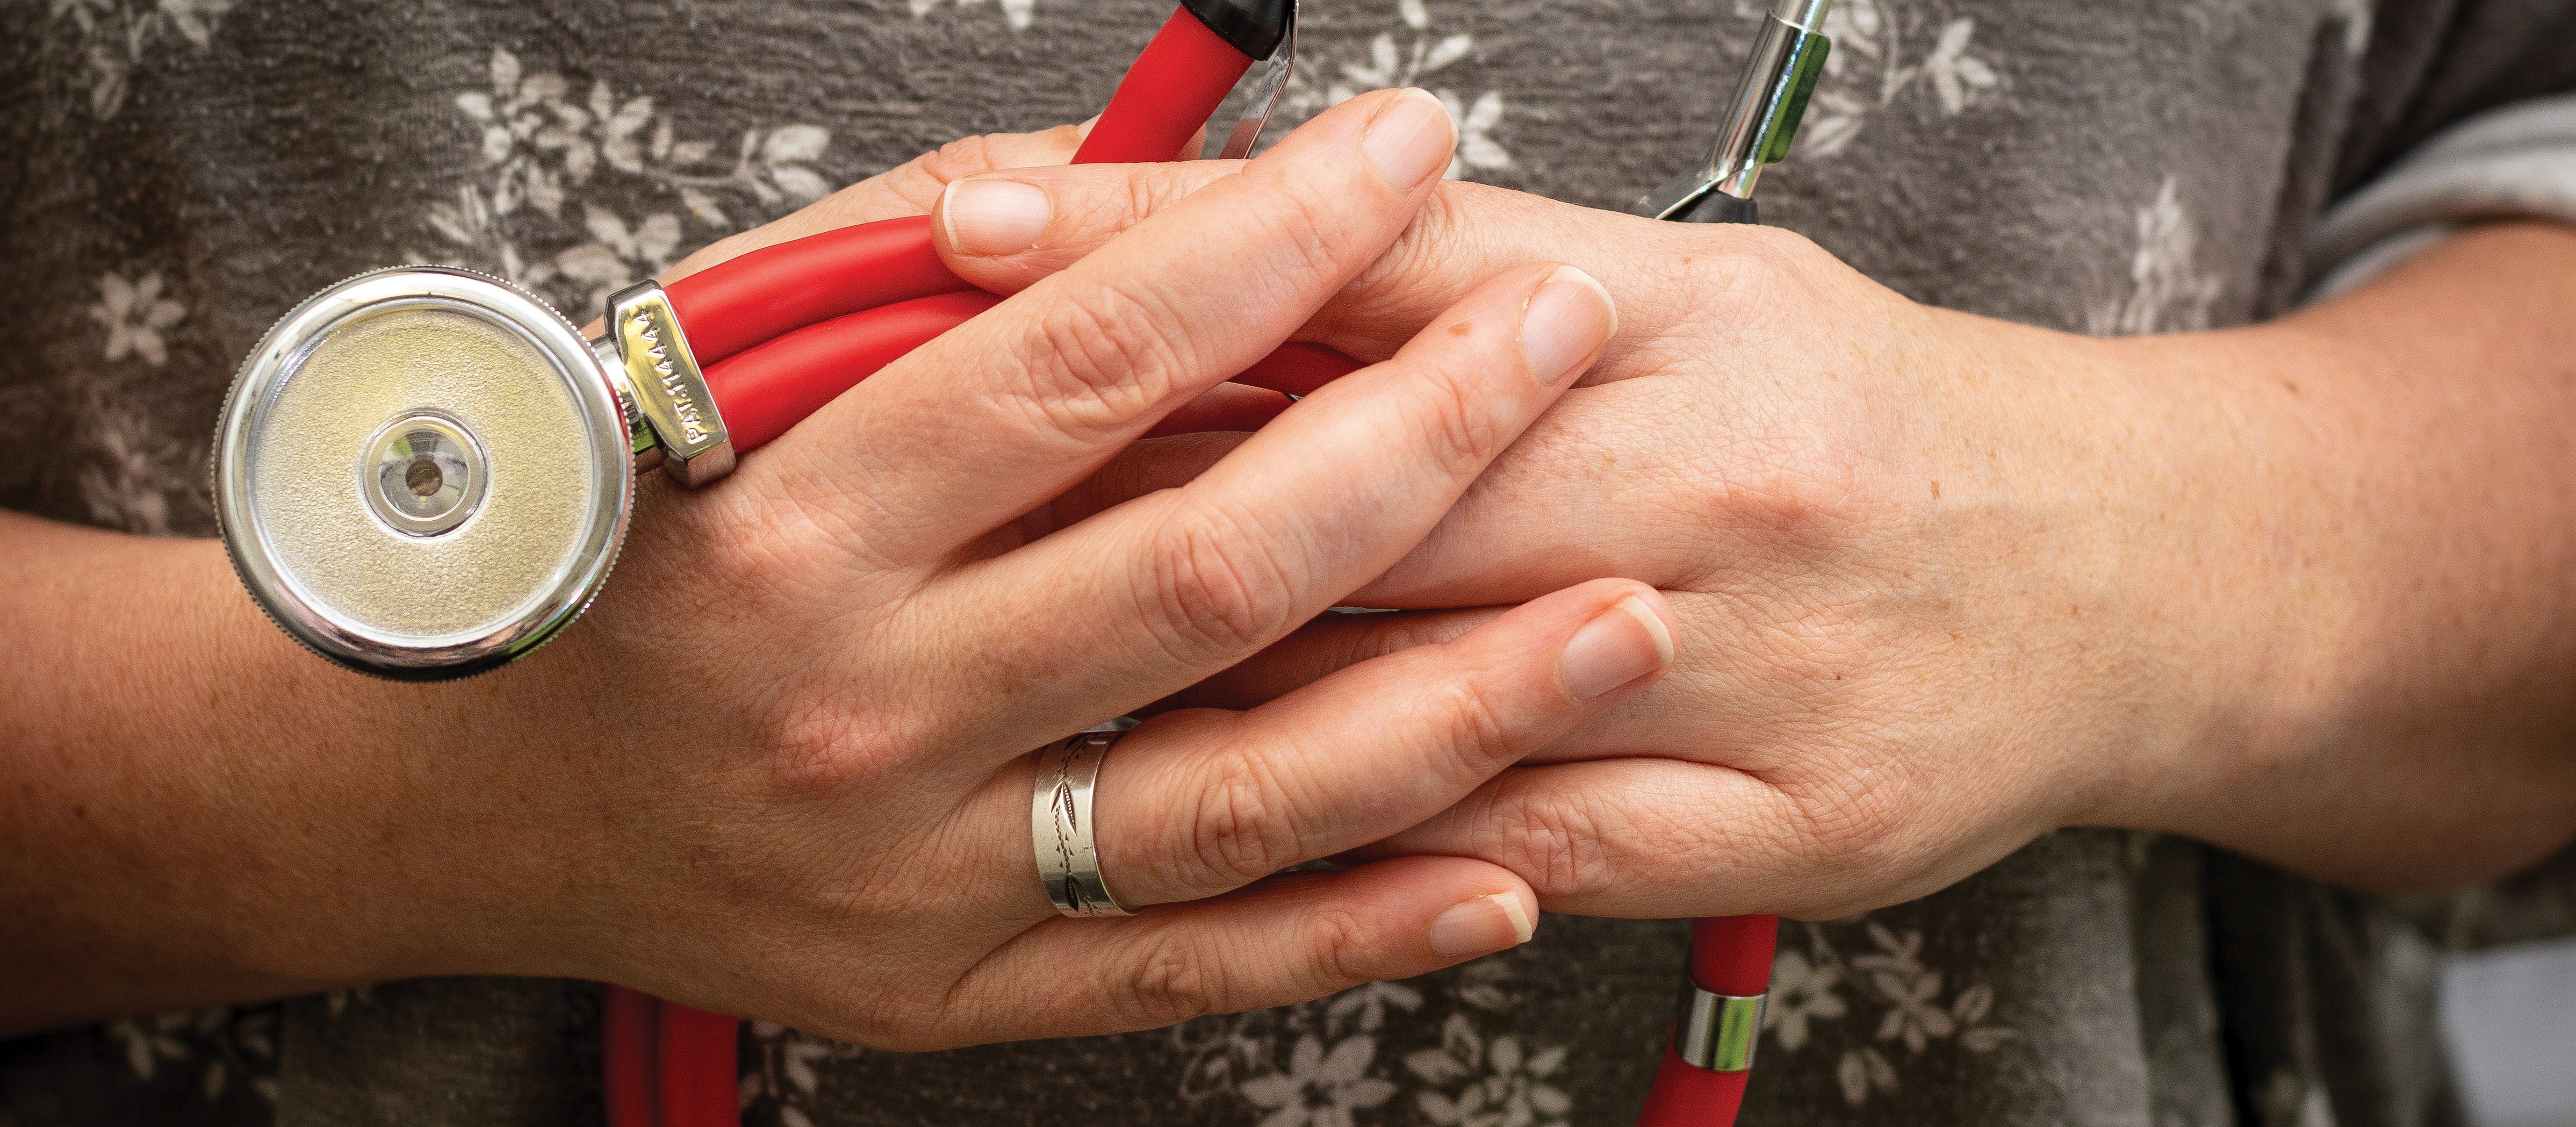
x=814 y=806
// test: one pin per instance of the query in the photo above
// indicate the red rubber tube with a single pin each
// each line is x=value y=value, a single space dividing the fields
x=697 y=1077
x=1729 y=955
x=1732 y=954
x=768 y=389
x=1686 y=1095
x=1166 y=97
x=776 y=290
x=771 y=388
x=629 y=1047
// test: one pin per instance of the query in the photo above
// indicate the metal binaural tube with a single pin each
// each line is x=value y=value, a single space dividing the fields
x=1771 y=97
x=1805 y=15
x=1761 y=119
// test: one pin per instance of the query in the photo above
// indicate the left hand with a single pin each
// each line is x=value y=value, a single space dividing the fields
x=1946 y=583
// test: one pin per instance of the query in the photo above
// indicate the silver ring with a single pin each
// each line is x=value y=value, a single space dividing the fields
x=1060 y=825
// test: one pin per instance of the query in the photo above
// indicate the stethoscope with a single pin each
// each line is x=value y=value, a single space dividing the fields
x=423 y=473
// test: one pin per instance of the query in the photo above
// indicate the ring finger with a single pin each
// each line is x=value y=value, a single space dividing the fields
x=1194 y=804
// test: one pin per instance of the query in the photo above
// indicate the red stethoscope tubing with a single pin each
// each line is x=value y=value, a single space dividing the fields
x=734 y=305
x=1167 y=96
x=766 y=390
x=1729 y=955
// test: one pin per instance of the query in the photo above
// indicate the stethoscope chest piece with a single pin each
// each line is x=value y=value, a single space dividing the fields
x=423 y=473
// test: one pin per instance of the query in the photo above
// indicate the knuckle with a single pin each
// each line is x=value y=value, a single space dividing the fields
x=1239 y=829
x=1473 y=725
x=1339 y=950
x=1559 y=844
x=964 y=156
x=1455 y=425
x=1173 y=981
x=919 y=181
x=1212 y=592
x=1101 y=356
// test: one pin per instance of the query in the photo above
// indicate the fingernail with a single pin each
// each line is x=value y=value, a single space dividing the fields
x=1619 y=645
x=1409 y=139
x=994 y=216
x=1482 y=926
x=1564 y=324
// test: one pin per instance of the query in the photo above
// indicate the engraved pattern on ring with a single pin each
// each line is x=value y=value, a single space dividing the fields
x=1061 y=823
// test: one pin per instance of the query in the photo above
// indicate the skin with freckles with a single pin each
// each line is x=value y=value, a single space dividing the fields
x=782 y=767
x=1946 y=583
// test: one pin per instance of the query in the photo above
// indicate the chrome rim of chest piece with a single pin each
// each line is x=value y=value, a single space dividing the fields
x=423 y=473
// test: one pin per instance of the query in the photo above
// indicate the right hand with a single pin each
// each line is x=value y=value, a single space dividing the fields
x=782 y=768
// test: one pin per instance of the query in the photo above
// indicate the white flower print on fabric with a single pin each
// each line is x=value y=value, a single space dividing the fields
x=125 y=478
x=134 y=314
x=1869 y=42
x=1326 y=1063
x=1320 y=1088
x=542 y=151
x=1366 y=1006
x=1504 y=1085
x=218 y=1045
x=2168 y=290
x=117 y=34
x=1801 y=992
x=1390 y=65
x=1016 y=13
x=1908 y=1008
x=1489 y=984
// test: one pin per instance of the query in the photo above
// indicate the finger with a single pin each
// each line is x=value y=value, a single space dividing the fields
x=1194 y=804
x=1636 y=838
x=1662 y=274
x=1656 y=721
x=1177 y=585
x=1647 y=723
x=1009 y=409
x=1289 y=939
x=1746 y=706
x=1658 y=838
x=1600 y=458
x=1212 y=801
x=907 y=189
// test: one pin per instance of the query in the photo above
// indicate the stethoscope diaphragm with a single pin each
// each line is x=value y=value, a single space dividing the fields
x=422 y=473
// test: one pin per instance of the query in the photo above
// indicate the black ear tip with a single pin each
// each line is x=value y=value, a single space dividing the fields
x=1254 y=27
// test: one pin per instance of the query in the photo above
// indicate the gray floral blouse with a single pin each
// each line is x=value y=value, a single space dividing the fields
x=176 y=173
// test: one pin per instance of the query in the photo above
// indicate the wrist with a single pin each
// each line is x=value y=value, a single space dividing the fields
x=2224 y=618
x=2243 y=566
x=220 y=815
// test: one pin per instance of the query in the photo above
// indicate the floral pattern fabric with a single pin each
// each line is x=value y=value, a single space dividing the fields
x=174 y=174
